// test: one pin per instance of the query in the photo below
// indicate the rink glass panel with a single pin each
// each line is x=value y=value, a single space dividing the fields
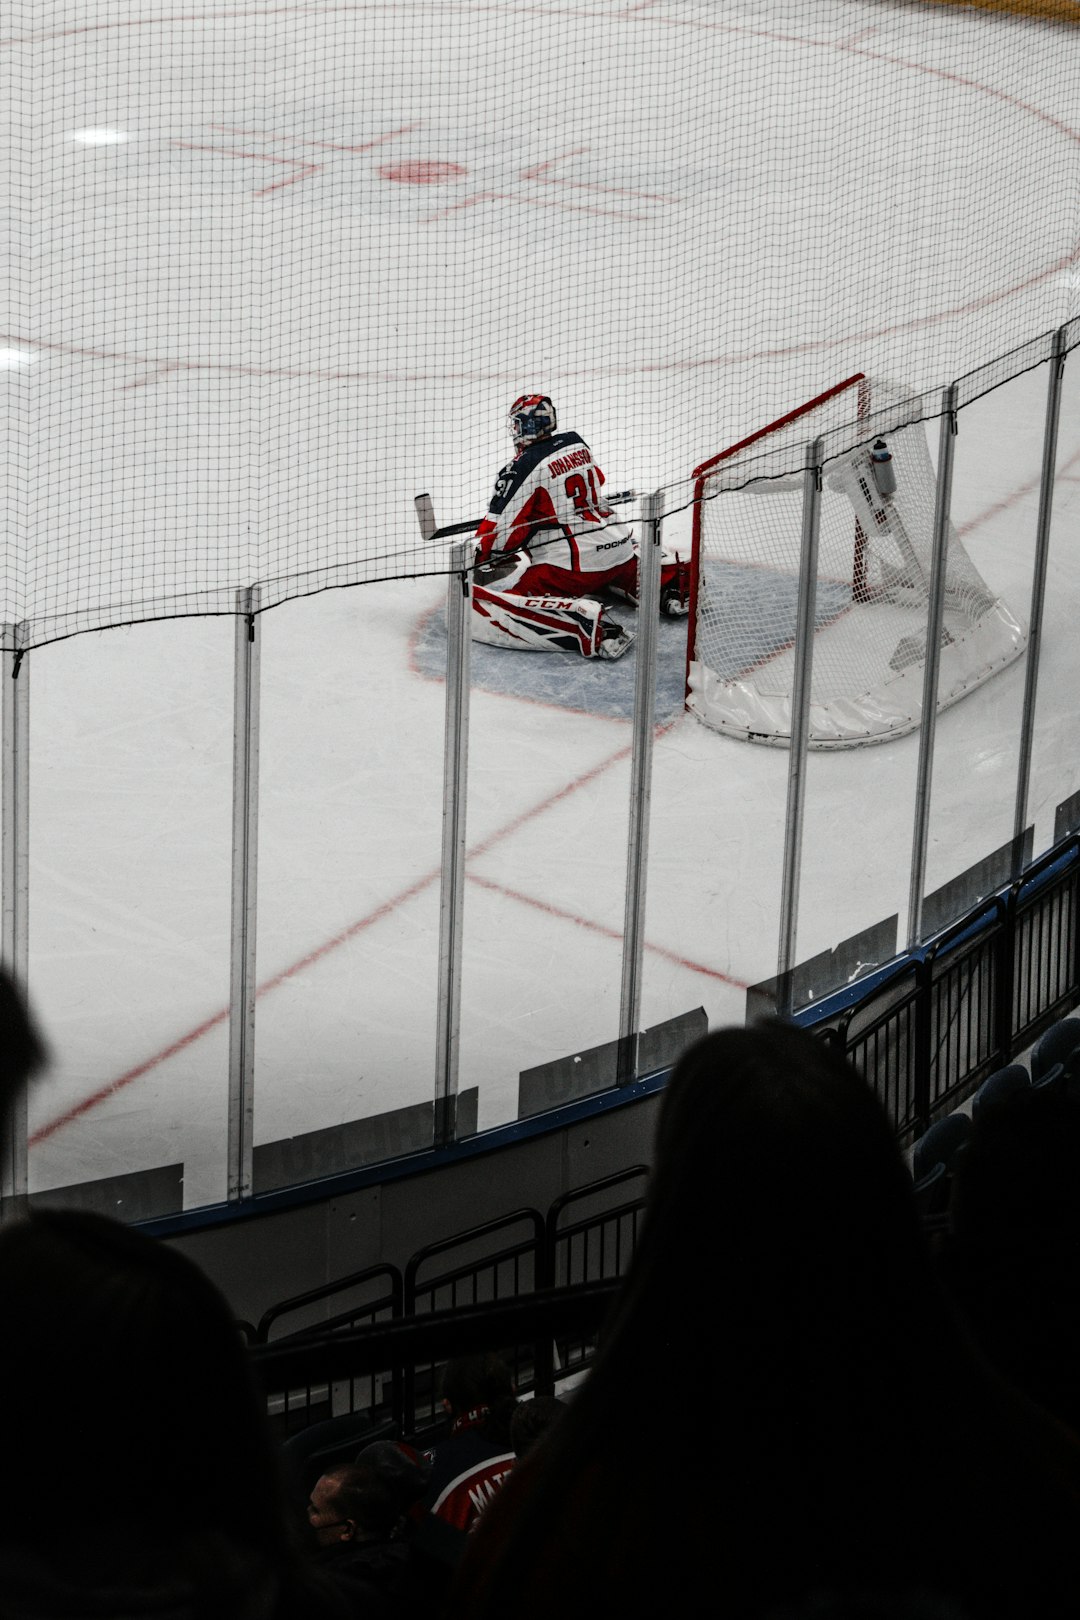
x=714 y=854
x=548 y=789
x=995 y=501
x=1055 y=765
x=130 y=773
x=349 y=849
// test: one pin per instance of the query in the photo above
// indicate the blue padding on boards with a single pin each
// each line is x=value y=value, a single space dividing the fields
x=757 y=601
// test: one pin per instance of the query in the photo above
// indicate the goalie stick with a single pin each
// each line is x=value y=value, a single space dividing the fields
x=429 y=531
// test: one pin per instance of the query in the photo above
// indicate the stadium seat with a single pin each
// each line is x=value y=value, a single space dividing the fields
x=1059 y=1041
x=1049 y=1077
x=932 y=1191
x=940 y=1144
x=998 y=1087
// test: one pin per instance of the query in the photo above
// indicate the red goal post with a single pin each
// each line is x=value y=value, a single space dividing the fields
x=857 y=389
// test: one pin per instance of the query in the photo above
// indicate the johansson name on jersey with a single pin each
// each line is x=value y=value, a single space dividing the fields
x=549 y=500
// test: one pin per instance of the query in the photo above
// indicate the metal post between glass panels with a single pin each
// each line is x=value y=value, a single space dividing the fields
x=242 y=984
x=452 y=894
x=1038 y=587
x=640 y=785
x=805 y=620
x=934 y=620
x=15 y=884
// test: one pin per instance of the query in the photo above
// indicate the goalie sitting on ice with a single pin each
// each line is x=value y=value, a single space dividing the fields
x=550 y=544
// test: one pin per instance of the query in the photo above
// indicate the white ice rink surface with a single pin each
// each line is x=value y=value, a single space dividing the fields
x=607 y=257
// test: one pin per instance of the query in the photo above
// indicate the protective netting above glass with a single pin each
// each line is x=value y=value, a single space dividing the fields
x=275 y=269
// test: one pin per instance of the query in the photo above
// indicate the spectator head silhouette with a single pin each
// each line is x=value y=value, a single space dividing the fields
x=352 y=1502
x=22 y=1050
x=1014 y=1251
x=401 y=1468
x=471 y=1383
x=532 y=1420
x=128 y=1366
x=782 y=1340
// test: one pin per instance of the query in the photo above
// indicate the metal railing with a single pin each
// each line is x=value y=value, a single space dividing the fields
x=514 y=1257
x=928 y=1029
x=583 y=1247
x=391 y=1351
x=465 y=1277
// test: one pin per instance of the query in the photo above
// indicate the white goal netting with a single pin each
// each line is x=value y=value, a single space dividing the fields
x=872 y=588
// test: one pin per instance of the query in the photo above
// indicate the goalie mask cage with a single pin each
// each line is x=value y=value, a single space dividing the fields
x=873 y=582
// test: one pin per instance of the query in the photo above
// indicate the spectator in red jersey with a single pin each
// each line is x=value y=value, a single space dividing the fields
x=468 y=1467
x=832 y=1432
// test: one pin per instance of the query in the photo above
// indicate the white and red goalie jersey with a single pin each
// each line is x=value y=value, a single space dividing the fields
x=548 y=501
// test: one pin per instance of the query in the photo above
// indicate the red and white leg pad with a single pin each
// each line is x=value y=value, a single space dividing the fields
x=538 y=623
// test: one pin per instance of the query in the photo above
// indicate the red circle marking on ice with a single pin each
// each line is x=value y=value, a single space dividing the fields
x=421 y=172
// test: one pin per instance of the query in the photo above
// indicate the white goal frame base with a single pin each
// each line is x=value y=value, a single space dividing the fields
x=879 y=714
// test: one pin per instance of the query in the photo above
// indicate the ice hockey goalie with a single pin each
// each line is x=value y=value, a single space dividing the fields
x=550 y=548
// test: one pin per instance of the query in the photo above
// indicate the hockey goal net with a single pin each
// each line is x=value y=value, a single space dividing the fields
x=873 y=580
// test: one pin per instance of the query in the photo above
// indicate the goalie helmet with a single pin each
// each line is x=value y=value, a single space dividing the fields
x=532 y=417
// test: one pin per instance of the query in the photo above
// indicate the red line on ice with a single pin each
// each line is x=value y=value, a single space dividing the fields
x=325 y=146
x=1018 y=494
x=351 y=374
x=579 y=208
x=529 y=202
x=306 y=170
x=599 y=928
x=103 y=1093
x=537 y=173
x=466 y=202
